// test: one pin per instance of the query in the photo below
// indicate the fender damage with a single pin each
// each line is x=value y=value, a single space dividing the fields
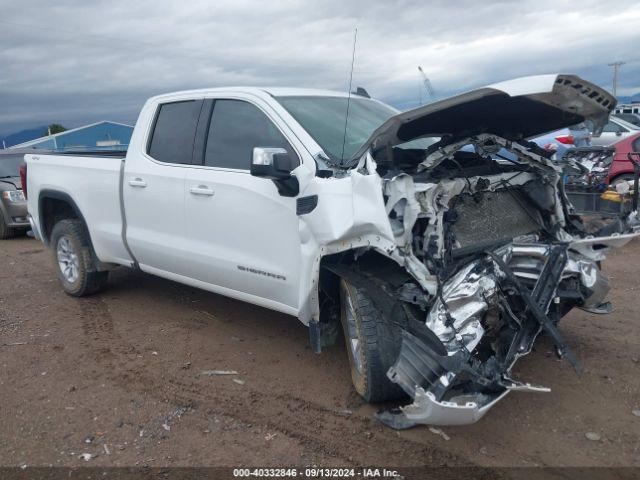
x=492 y=251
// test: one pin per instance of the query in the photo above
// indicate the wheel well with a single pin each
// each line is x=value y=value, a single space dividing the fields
x=53 y=207
x=386 y=284
x=329 y=303
x=371 y=261
x=370 y=264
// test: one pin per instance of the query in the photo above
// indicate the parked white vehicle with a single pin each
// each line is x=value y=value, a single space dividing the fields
x=614 y=130
x=441 y=264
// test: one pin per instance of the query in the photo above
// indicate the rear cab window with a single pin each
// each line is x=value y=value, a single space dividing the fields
x=173 y=133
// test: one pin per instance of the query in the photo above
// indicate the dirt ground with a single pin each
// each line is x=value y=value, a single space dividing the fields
x=119 y=375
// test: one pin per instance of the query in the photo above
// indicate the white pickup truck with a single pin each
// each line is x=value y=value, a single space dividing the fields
x=439 y=238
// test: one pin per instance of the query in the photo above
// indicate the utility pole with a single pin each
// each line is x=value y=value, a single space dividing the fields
x=616 y=66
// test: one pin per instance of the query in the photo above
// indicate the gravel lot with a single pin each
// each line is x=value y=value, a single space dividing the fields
x=118 y=375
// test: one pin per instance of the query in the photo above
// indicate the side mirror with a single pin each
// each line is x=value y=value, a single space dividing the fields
x=272 y=163
x=276 y=164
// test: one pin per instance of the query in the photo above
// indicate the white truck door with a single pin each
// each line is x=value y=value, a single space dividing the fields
x=244 y=236
x=153 y=188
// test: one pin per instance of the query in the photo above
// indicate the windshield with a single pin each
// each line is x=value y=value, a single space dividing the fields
x=10 y=164
x=624 y=123
x=324 y=119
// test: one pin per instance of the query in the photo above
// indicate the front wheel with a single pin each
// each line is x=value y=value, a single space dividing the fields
x=372 y=344
x=74 y=259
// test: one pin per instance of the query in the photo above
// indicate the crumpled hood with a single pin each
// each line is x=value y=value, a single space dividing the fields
x=521 y=108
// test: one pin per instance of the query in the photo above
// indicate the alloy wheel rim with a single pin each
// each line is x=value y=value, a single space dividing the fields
x=352 y=332
x=68 y=260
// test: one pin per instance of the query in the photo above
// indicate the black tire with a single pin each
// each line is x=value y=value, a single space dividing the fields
x=379 y=343
x=72 y=235
x=5 y=231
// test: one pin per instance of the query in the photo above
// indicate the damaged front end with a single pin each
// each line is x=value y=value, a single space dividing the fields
x=510 y=260
x=493 y=251
x=486 y=317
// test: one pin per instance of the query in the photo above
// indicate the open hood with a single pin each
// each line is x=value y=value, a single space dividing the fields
x=521 y=108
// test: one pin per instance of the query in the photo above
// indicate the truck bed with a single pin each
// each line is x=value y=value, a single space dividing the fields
x=91 y=180
x=85 y=153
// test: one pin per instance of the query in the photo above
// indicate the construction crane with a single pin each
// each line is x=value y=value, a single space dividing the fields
x=427 y=85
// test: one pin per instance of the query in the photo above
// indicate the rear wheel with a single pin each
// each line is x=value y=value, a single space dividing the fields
x=372 y=345
x=5 y=231
x=74 y=259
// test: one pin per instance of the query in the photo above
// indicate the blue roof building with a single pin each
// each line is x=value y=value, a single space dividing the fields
x=97 y=136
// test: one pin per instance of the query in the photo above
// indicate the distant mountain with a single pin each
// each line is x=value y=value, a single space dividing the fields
x=629 y=99
x=23 y=136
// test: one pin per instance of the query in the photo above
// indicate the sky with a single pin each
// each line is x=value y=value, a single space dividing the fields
x=77 y=61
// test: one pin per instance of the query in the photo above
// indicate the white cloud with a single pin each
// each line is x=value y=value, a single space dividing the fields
x=76 y=61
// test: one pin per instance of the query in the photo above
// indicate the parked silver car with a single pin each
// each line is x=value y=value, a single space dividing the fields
x=13 y=206
x=615 y=130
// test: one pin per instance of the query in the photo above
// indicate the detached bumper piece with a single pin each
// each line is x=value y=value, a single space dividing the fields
x=458 y=386
x=426 y=410
x=419 y=367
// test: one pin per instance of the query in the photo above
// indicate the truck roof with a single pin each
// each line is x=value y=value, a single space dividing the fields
x=259 y=91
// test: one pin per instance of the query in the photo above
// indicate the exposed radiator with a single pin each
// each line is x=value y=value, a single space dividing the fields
x=492 y=217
